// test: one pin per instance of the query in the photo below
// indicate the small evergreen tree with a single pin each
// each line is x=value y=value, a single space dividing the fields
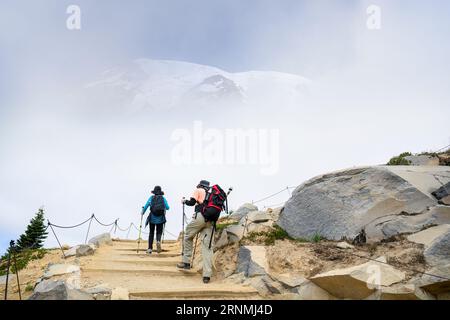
x=35 y=234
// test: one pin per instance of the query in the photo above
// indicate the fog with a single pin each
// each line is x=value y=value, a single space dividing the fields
x=373 y=94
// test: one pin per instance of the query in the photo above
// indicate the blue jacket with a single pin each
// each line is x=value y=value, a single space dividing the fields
x=151 y=218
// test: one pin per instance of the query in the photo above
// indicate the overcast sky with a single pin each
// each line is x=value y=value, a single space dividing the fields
x=376 y=93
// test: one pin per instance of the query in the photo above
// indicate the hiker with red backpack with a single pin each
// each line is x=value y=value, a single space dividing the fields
x=209 y=203
x=157 y=218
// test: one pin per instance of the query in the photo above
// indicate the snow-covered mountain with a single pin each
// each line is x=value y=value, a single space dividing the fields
x=165 y=85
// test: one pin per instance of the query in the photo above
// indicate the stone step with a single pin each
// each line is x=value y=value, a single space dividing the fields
x=142 y=241
x=196 y=293
x=139 y=272
x=144 y=262
x=140 y=249
x=155 y=255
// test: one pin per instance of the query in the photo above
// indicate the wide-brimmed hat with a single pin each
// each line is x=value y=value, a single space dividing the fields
x=204 y=183
x=157 y=190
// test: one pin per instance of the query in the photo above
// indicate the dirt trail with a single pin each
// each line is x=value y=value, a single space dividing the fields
x=153 y=276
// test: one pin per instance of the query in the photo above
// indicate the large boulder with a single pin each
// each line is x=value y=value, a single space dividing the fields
x=57 y=290
x=437 y=244
x=85 y=250
x=360 y=281
x=341 y=203
x=222 y=241
x=234 y=233
x=308 y=290
x=427 y=236
x=274 y=214
x=104 y=238
x=242 y=211
x=436 y=280
x=414 y=223
x=442 y=192
x=256 y=221
x=289 y=280
x=53 y=270
x=438 y=252
x=80 y=251
x=255 y=217
x=423 y=160
x=252 y=261
x=404 y=292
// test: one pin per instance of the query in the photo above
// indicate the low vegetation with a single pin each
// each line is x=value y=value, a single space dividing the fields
x=268 y=237
x=400 y=160
x=221 y=226
x=28 y=247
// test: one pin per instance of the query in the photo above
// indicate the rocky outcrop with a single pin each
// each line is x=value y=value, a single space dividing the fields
x=438 y=252
x=436 y=280
x=242 y=211
x=384 y=200
x=443 y=194
x=80 y=251
x=101 y=239
x=57 y=290
x=252 y=261
x=289 y=280
x=423 y=160
x=60 y=269
x=403 y=292
x=234 y=233
x=437 y=244
x=402 y=224
x=310 y=291
x=360 y=281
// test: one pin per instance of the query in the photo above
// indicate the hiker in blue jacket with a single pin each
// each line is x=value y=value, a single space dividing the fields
x=157 y=217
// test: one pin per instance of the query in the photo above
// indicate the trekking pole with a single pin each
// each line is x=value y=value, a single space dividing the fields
x=182 y=233
x=7 y=270
x=140 y=228
x=13 y=246
x=164 y=229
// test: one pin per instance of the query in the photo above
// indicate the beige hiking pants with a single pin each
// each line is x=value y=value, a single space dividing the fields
x=198 y=225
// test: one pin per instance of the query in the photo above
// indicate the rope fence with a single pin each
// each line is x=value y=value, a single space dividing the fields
x=286 y=189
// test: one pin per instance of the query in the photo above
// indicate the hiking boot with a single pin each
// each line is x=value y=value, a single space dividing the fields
x=206 y=279
x=184 y=265
x=158 y=247
x=149 y=251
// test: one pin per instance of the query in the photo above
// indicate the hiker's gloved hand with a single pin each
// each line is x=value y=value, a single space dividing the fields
x=183 y=201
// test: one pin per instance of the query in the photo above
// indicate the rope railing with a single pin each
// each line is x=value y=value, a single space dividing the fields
x=443 y=148
x=286 y=189
x=274 y=205
x=12 y=251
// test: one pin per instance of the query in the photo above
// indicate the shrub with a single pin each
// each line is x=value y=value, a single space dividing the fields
x=29 y=287
x=400 y=160
x=269 y=237
x=221 y=226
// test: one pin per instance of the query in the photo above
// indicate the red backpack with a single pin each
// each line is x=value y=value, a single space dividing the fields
x=215 y=202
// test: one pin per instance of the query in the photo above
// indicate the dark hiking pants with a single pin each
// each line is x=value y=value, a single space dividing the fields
x=159 y=231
